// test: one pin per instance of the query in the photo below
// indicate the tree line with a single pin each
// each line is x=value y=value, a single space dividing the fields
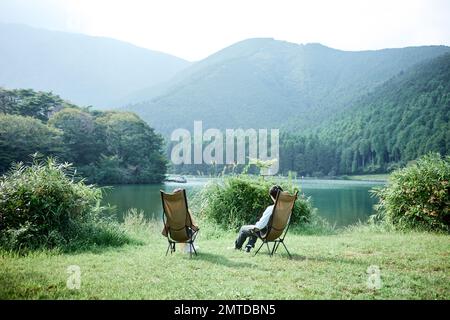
x=106 y=147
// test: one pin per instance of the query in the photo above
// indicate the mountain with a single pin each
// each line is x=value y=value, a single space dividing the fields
x=86 y=70
x=266 y=83
x=397 y=122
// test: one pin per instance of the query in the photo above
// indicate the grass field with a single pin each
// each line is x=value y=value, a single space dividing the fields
x=334 y=266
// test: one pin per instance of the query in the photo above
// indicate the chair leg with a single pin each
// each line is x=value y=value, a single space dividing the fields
x=259 y=248
x=287 y=250
x=268 y=248
x=275 y=245
x=169 y=247
x=193 y=248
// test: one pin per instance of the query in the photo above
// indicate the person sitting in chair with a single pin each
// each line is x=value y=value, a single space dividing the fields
x=249 y=231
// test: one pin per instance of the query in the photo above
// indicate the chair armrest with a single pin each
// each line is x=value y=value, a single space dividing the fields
x=255 y=230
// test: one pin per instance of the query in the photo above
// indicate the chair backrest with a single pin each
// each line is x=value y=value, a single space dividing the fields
x=177 y=218
x=282 y=211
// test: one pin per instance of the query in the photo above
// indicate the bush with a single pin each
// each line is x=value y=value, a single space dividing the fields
x=236 y=200
x=41 y=205
x=418 y=196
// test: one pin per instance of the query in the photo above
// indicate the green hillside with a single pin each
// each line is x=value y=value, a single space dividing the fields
x=265 y=83
x=402 y=119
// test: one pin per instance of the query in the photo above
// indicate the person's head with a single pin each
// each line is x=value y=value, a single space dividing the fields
x=274 y=191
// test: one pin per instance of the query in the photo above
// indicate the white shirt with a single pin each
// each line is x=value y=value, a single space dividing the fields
x=262 y=223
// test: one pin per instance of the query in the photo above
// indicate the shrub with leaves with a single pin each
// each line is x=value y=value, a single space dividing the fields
x=418 y=196
x=241 y=199
x=42 y=205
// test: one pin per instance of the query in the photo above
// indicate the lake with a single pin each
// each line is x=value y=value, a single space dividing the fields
x=341 y=202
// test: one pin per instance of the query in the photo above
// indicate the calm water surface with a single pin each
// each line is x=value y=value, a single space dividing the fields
x=341 y=202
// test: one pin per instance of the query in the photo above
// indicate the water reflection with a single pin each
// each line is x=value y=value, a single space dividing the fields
x=340 y=202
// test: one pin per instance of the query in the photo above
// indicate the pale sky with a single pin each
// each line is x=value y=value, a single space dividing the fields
x=194 y=29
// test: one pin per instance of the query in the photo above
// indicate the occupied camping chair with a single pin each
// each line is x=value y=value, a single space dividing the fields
x=178 y=224
x=279 y=222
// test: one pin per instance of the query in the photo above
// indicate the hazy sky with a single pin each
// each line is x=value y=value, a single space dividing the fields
x=194 y=29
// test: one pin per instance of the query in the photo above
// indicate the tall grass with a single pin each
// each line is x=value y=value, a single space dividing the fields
x=139 y=227
x=43 y=205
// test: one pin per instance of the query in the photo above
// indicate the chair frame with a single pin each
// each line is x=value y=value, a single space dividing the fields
x=192 y=234
x=280 y=239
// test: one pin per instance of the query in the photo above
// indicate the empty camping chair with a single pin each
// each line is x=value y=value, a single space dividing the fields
x=179 y=226
x=279 y=222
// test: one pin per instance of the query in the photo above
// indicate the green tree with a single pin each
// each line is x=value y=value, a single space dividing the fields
x=137 y=146
x=80 y=134
x=22 y=136
x=27 y=102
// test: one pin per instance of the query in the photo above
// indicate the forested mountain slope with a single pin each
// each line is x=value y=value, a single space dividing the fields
x=402 y=119
x=265 y=83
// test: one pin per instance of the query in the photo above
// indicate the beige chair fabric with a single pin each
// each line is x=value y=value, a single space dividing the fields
x=177 y=219
x=280 y=216
x=279 y=222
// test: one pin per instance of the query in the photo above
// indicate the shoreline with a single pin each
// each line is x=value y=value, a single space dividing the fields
x=367 y=178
